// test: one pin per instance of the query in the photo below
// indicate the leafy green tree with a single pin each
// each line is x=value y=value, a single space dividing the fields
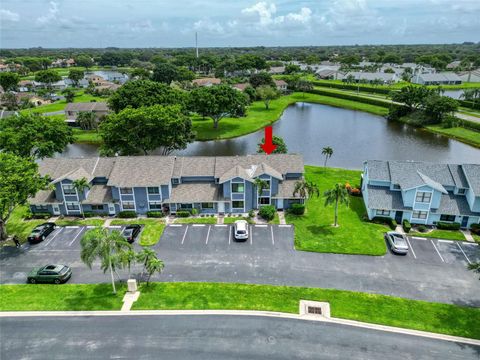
x=87 y=120
x=261 y=78
x=338 y=194
x=303 y=86
x=475 y=267
x=19 y=180
x=267 y=94
x=407 y=74
x=141 y=93
x=150 y=261
x=81 y=185
x=69 y=95
x=471 y=95
x=281 y=147
x=9 y=100
x=413 y=97
x=34 y=135
x=126 y=259
x=217 y=102
x=84 y=61
x=48 y=77
x=9 y=81
x=76 y=75
x=437 y=107
x=306 y=189
x=261 y=185
x=292 y=69
x=154 y=265
x=327 y=151
x=105 y=246
x=183 y=74
x=140 y=73
x=165 y=73
x=134 y=131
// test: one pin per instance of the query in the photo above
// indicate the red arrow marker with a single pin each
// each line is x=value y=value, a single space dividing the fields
x=268 y=146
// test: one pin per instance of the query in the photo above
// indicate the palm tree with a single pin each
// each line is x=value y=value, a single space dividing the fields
x=80 y=185
x=338 y=194
x=154 y=265
x=306 y=189
x=126 y=259
x=261 y=185
x=327 y=151
x=104 y=245
x=144 y=256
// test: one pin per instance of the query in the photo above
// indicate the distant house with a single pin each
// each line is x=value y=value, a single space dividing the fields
x=73 y=109
x=25 y=85
x=469 y=76
x=276 y=70
x=369 y=77
x=206 y=81
x=95 y=79
x=445 y=78
x=59 y=85
x=281 y=85
x=241 y=86
x=329 y=74
x=453 y=65
x=107 y=85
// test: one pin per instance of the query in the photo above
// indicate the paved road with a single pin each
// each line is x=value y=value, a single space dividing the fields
x=211 y=337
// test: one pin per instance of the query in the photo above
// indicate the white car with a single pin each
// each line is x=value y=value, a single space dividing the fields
x=241 y=230
x=398 y=242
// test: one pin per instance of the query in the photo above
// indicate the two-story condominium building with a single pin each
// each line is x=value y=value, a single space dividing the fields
x=422 y=193
x=222 y=184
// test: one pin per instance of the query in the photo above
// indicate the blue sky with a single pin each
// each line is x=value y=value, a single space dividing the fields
x=160 y=23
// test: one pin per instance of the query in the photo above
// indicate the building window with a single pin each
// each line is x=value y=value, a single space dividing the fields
x=396 y=187
x=73 y=206
x=208 y=205
x=461 y=191
x=447 y=217
x=186 y=206
x=97 y=207
x=383 y=212
x=238 y=187
x=237 y=204
x=423 y=197
x=422 y=215
x=264 y=201
x=128 y=205
x=126 y=191
x=175 y=181
x=41 y=207
x=69 y=189
x=155 y=205
x=154 y=190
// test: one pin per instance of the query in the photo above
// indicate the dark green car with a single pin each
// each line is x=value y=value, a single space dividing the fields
x=55 y=274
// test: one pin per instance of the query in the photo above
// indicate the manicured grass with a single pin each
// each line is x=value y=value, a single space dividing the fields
x=66 y=297
x=276 y=220
x=258 y=117
x=87 y=136
x=152 y=231
x=232 y=219
x=80 y=222
x=22 y=228
x=476 y=237
x=441 y=234
x=314 y=230
x=196 y=220
x=467 y=136
x=379 y=309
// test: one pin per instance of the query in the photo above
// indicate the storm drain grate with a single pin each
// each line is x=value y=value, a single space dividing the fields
x=314 y=310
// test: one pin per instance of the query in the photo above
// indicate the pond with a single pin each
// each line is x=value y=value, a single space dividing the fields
x=355 y=136
x=455 y=94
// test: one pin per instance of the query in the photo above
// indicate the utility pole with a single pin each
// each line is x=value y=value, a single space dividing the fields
x=196 y=44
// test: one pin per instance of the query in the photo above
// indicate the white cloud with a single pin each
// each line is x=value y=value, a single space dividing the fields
x=50 y=16
x=7 y=15
x=208 y=26
x=263 y=15
x=143 y=26
x=263 y=10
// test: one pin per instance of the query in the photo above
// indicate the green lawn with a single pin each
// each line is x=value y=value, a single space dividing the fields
x=476 y=237
x=441 y=234
x=196 y=220
x=379 y=309
x=66 y=297
x=232 y=219
x=60 y=105
x=314 y=230
x=464 y=135
x=22 y=228
x=276 y=220
x=80 y=222
x=152 y=231
x=87 y=136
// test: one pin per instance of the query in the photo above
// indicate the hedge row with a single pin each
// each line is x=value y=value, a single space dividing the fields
x=360 y=99
x=471 y=125
x=385 y=220
x=469 y=104
x=363 y=88
x=448 y=226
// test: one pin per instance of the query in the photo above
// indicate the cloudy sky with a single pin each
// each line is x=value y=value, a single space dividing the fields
x=162 y=23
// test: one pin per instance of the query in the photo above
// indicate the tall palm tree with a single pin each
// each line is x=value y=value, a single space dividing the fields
x=338 y=194
x=327 y=151
x=306 y=189
x=104 y=245
x=261 y=185
x=80 y=185
x=144 y=256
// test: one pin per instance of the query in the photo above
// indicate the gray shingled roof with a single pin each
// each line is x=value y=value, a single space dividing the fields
x=451 y=204
x=194 y=166
x=99 y=194
x=458 y=176
x=384 y=199
x=285 y=190
x=87 y=106
x=378 y=170
x=44 y=197
x=195 y=192
x=472 y=172
x=75 y=174
x=140 y=171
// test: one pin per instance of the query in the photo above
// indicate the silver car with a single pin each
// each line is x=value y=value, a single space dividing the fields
x=398 y=242
x=241 y=230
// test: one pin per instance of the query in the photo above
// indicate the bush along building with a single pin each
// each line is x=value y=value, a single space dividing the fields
x=168 y=183
x=422 y=193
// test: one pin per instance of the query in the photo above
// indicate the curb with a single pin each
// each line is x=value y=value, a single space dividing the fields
x=316 y=318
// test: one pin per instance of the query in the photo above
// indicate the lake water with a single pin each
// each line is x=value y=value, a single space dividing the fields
x=355 y=136
x=455 y=94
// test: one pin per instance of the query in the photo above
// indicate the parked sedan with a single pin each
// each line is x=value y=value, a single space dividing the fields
x=398 y=242
x=241 y=230
x=131 y=232
x=40 y=232
x=55 y=274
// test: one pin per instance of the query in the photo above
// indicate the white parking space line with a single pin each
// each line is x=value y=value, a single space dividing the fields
x=197 y=225
x=469 y=243
x=175 y=225
x=229 y=235
x=72 y=227
x=273 y=239
x=53 y=237
x=208 y=234
x=411 y=247
x=75 y=238
x=91 y=227
x=251 y=236
x=419 y=238
x=285 y=225
x=220 y=225
x=446 y=241
x=114 y=227
x=463 y=252
x=185 y=234
x=438 y=252
x=261 y=225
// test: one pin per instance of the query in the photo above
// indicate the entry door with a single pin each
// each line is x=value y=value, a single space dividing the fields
x=111 y=209
x=56 y=209
x=398 y=217
x=221 y=207
x=280 y=204
x=464 y=221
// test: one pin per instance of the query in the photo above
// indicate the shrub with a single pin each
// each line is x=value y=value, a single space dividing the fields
x=251 y=213
x=422 y=228
x=127 y=214
x=448 y=226
x=385 y=220
x=475 y=228
x=267 y=212
x=406 y=226
x=183 y=213
x=154 y=214
x=355 y=192
x=88 y=214
x=194 y=211
x=297 y=209
x=39 y=215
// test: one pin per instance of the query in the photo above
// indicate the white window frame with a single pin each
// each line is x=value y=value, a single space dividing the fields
x=237 y=208
x=423 y=196
x=237 y=192
x=419 y=211
x=71 y=188
x=269 y=180
x=381 y=212
x=41 y=207
x=207 y=208
x=67 y=203
x=153 y=187
x=464 y=191
x=155 y=202
x=128 y=193
x=128 y=202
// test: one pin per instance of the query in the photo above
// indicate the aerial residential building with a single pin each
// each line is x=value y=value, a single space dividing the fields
x=385 y=78
x=98 y=108
x=281 y=85
x=445 y=78
x=422 y=193
x=206 y=82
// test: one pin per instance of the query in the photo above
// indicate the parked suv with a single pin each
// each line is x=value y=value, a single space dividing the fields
x=56 y=274
x=241 y=230
x=40 y=232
